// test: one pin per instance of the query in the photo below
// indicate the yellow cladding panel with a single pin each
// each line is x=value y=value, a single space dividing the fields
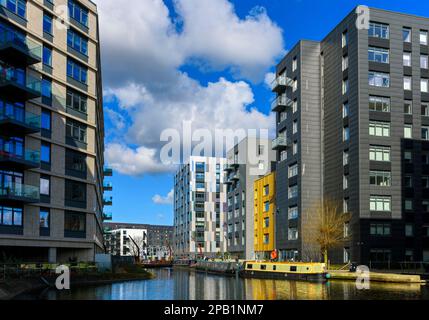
x=264 y=213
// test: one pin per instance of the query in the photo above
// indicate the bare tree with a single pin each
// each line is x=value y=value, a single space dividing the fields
x=330 y=226
x=137 y=244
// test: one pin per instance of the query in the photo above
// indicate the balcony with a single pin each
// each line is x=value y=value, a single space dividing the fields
x=107 y=186
x=108 y=172
x=21 y=160
x=16 y=121
x=19 y=193
x=281 y=103
x=235 y=177
x=280 y=83
x=15 y=86
x=107 y=216
x=280 y=143
x=108 y=201
x=228 y=168
x=18 y=50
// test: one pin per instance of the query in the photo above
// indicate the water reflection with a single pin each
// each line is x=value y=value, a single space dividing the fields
x=188 y=285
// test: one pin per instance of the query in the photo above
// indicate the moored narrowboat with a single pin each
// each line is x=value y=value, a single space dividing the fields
x=285 y=270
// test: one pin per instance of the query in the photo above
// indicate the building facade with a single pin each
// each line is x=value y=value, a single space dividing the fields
x=264 y=216
x=127 y=242
x=159 y=239
x=240 y=173
x=369 y=113
x=52 y=132
x=199 y=208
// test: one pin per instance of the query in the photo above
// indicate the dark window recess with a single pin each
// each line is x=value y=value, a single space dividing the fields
x=76 y=104
x=263 y=267
x=74 y=224
x=250 y=266
x=293 y=269
x=76 y=164
x=75 y=194
x=76 y=133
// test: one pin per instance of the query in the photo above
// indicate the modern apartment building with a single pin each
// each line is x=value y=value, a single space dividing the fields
x=359 y=99
x=264 y=216
x=51 y=132
x=199 y=208
x=249 y=160
x=127 y=242
x=159 y=238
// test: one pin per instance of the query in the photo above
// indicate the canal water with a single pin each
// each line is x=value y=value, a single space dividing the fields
x=179 y=284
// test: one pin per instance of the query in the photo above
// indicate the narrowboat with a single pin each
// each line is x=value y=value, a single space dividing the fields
x=284 y=270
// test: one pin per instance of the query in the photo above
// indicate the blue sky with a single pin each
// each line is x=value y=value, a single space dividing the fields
x=141 y=178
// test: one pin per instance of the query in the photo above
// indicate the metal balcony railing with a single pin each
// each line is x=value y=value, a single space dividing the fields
x=280 y=143
x=281 y=83
x=281 y=103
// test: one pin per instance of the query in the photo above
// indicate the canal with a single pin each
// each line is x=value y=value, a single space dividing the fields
x=180 y=284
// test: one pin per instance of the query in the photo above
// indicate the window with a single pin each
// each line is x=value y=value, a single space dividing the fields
x=406 y=34
x=293 y=213
x=345 y=64
x=408 y=131
x=425 y=182
x=295 y=85
x=345 y=86
x=424 y=61
x=283 y=155
x=294 y=64
x=282 y=116
x=378 y=55
x=408 y=157
x=345 y=182
x=45 y=152
x=408 y=107
x=47 y=23
x=75 y=193
x=74 y=222
x=344 y=39
x=408 y=205
x=77 y=42
x=16 y=6
x=379 y=153
x=295 y=126
x=407 y=59
x=407 y=83
x=380 y=178
x=379 y=129
x=379 y=79
x=292 y=234
x=46 y=88
x=346 y=229
x=295 y=147
x=266 y=206
x=44 y=218
x=346 y=205
x=294 y=106
x=76 y=101
x=78 y=13
x=378 y=30
x=423 y=37
x=77 y=71
x=345 y=110
x=380 y=229
x=425 y=158
x=266 y=190
x=346 y=134
x=380 y=104
x=293 y=170
x=409 y=230
x=76 y=130
x=425 y=133
x=75 y=162
x=293 y=191
x=45 y=185
x=380 y=203
x=345 y=158
x=425 y=110
x=346 y=255
x=200 y=166
x=47 y=56
x=266 y=222
x=424 y=85
x=10 y=216
x=46 y=120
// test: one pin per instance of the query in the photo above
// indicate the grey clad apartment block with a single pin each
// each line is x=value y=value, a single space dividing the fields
x=360 y=99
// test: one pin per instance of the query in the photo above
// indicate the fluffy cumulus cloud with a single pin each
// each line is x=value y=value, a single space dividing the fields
x=143 y=56
x=168 y=199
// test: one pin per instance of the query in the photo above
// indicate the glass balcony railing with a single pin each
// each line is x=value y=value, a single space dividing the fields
x=108 y=172
x=107 y=186
x=20 y=192
x=19 y=117
x=107 y=216
x=280 y=103
x=15 y=84
x=280 y=83
x=108 y=201
x=31 y=157
x=280 y=143
x=17 y=48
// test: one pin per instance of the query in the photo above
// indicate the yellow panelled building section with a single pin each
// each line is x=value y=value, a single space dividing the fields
x=264 y=216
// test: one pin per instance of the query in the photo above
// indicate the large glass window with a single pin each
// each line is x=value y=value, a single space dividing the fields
x=292 y=234
x=293 y=191
x=47 y=23
x=408 y=82
x=406 y=34
x=46 y=120
x=293 y=170
x=44 y=218
x=424 y=61
x=379 y=153
x=406 y=58
x=47 y=56
x=10 y=216
x=380 y=229
x=76 y=130
x=423 y=37
x=45 y=152
x=293 y=213
x=46 y=88
x=424 y=85
x=76 y=101
x=77 y=71
x=379 y=129
x=45 y=185
x=75 y=191
x=425 y=133
x=75 y=222
x=378 y=55
x=77 y=42
x=16 y=6
x=379 y=79
x=380 y=203
x=78 y=13
x=381 y=104
x=380 y=178
x=408 y=131
x=378 y=30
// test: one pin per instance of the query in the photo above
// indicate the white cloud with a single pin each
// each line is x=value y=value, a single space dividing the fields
x=168 y=199
x=269 y=78
x=142 y=56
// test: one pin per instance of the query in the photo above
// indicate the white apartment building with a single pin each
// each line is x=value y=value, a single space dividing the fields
x=128 y=242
